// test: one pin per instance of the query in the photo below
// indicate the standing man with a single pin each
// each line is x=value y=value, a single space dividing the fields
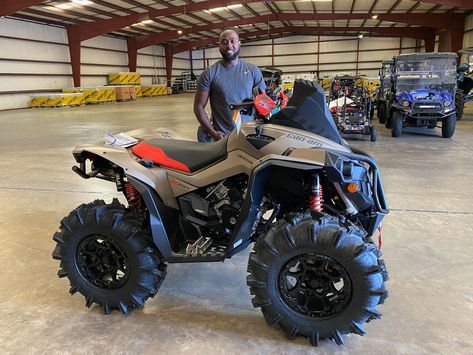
x=230 y=80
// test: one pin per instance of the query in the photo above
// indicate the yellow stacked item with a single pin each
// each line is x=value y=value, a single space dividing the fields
x=139 y=91
x=57 y=100
x=124 y=78
x=91 y=94
x=154 y=90
x=106 y=94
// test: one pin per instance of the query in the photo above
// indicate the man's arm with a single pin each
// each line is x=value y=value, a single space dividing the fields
x=200 y=101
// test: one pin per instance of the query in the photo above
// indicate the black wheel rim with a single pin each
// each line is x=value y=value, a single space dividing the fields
x=102 y=262
x=315 y=285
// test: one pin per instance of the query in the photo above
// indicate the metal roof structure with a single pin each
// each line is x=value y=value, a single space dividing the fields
x=183 y=25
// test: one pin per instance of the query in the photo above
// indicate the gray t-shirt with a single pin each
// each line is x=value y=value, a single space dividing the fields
x=229 y=85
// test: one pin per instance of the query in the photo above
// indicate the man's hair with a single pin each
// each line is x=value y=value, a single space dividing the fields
x=229 y=29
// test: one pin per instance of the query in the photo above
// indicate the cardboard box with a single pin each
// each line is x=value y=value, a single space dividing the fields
x=125 y=93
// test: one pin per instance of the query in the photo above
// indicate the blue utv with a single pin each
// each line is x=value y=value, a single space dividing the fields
x=423 y=87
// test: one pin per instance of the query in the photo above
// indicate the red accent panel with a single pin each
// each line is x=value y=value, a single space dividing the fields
x=158 y=156
x=264 y=105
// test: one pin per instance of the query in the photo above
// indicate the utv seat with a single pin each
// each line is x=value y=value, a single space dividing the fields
x=181 y=155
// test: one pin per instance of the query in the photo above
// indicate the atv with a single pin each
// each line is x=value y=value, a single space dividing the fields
x=422 y=92
x=351 y=106
x=308 y=203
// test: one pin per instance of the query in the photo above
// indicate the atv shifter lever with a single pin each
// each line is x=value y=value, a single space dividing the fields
x=259 y=130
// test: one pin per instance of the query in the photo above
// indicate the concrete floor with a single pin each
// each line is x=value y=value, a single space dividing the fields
x=206 y=308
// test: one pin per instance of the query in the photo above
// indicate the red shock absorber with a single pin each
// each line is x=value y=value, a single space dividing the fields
x=132 y=195
x=316 y=198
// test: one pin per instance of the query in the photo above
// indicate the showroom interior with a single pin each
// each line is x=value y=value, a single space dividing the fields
x=79 y=75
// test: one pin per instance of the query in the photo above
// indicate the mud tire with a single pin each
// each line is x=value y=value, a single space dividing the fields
x=96 y=229
x=323 y=238
x=448 y=126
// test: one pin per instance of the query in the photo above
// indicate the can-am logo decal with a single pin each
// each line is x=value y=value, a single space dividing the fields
x=304 y=139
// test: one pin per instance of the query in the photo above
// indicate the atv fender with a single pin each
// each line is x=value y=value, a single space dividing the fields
x=257 y=186
x=157 y=178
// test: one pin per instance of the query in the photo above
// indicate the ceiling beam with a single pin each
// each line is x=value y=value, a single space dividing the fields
x=419 y=33
x=11 y=6
x=464 y=4
x=438 y=21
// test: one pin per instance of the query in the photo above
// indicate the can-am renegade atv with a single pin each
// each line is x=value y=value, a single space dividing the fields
x=351 y=106
x=423 y=92
x=308 y=202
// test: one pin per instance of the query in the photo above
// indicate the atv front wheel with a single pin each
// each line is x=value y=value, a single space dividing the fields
x=374 y=134
x=448 y=126
x=203 y=136
x=316 y=278
x=382 y=113
x=108 y=256
x=396 y=129
x=459 y=103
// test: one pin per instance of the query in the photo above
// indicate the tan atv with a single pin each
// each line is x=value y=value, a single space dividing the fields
x=308 y=203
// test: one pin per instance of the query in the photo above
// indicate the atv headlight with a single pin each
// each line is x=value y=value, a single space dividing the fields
x=405 y=103
x=447 y=103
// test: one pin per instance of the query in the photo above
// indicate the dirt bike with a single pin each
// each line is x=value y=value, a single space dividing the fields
x=308 y=203
x=264 y=105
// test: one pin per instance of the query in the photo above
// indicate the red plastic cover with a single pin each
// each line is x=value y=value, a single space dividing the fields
x=264 y=105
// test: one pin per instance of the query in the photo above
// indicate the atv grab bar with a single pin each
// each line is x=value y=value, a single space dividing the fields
x=241 y=105
x=377 y=188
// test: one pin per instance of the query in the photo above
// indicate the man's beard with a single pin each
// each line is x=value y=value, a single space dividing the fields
x=229 y=57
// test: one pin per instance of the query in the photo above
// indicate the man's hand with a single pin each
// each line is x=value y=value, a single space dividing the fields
x=217 y=135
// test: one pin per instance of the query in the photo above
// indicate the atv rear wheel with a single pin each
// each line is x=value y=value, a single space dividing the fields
x=374 y=134
x=448 y=126
x=398 y=119
x=108 y=256
x=459 y=103
x=316 y=278
x=382 y=113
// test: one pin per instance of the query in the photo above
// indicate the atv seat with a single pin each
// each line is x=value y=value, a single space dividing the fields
x=182 y=155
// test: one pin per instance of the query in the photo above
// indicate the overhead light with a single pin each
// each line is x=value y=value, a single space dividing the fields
x=374 y=17
x=83 y=2
x=147 y=21
x=360 y=36
x=64 y=6
x=179 y=32
x=215 y=9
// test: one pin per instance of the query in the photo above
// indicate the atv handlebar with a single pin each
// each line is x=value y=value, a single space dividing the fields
x=241 y=105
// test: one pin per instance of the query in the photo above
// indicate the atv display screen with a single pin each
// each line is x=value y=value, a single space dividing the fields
x=419 y=72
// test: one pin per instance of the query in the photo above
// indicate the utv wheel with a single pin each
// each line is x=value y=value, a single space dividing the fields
x=374 y=134
x=448 y=126
x=203 y=136
x=396 y=129
x=382 y=113
x=459 y=103
x=108 y=256
x=316 y=279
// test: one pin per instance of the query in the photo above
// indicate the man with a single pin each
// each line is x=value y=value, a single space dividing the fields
x=230 y=80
